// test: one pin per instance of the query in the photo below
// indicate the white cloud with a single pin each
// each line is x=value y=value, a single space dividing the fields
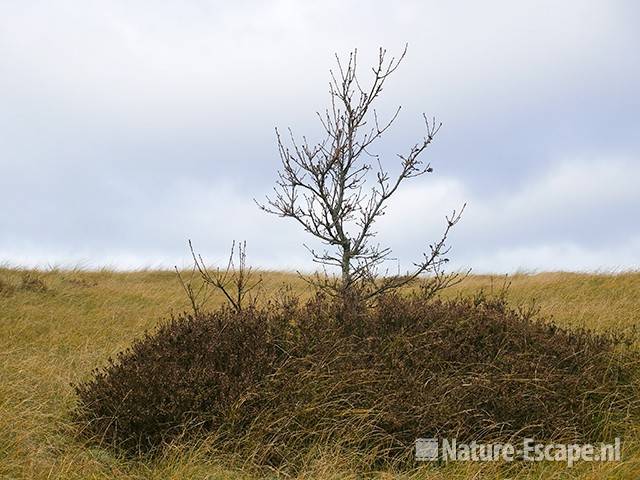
x=541 y=225
x=549 y=215
x=620 y=256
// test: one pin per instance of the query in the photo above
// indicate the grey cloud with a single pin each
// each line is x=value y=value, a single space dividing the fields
x=127 y=128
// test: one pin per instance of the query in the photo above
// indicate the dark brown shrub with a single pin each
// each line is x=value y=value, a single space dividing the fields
x=6 y=289
x=280 y=381
x=191 y=371
x=31 y=282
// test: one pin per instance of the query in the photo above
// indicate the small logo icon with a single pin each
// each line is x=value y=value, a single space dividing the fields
x=426 y=449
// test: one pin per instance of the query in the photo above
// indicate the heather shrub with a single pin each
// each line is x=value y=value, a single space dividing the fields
x=190 y=372
x=31 y=282
x=6 y=289
x=277 y=382
x=28 y=282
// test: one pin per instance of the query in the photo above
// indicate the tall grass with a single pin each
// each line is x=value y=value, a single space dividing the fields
x=56 y=326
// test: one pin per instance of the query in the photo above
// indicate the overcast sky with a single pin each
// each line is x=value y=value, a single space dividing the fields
x=128 y=127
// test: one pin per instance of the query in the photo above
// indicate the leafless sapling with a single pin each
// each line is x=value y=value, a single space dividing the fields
x=236 y=282
x=337 y=190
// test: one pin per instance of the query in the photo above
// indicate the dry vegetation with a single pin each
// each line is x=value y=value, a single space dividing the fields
x=57 y=326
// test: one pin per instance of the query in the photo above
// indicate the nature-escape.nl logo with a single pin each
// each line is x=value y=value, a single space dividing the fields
x=433 y=449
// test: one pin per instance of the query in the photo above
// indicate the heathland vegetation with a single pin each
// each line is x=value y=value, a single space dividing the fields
x=57 y=326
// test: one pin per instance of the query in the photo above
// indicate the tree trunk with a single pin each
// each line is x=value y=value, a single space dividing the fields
x=346 y=273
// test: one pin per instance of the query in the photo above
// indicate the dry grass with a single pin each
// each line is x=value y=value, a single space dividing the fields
x=53 y=336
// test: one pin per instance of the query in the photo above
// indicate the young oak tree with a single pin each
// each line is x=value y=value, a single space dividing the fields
x=337 y=190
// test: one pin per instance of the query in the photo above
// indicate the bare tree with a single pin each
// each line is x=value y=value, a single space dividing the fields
x=236 y=282
x=197 y=293
x=335 y=192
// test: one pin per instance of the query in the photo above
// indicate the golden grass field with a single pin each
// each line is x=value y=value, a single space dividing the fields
x=55 y=336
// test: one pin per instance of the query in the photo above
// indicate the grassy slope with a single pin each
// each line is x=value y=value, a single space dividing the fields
x=52 y=338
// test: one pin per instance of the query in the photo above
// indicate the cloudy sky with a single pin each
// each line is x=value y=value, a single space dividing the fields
x=128 y=127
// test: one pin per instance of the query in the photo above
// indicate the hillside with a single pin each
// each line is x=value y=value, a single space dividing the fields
x=56 y=326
